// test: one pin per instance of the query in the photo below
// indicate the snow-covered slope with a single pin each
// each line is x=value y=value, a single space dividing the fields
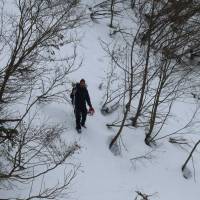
x=104 y=176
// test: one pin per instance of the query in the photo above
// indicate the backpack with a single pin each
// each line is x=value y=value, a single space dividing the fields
x=72 y=95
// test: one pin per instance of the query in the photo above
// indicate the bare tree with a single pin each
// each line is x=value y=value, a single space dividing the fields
x=112 y=95
x=32 y=72
x=170 y=43
x=186 y=172
x=133 y=3
x=167 y=91
x=106 y=10
x=129 y=75
x=165 y=69
x=145 y=72
x=112 y=12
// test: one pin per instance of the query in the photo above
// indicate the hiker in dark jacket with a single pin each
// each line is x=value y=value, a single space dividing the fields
x=79 y=97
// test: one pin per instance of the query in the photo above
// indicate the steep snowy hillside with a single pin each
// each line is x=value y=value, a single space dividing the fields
x=102 y=175
x=137 y=169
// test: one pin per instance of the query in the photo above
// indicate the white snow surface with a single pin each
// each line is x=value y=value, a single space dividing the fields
x=104 y=176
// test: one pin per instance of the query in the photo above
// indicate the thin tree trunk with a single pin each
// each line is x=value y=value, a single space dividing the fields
x=133 y=4
x=112 y=12
x=139 y=108
x=162 y=80
x=190 y=155
x=154 y=112
x=130 y=98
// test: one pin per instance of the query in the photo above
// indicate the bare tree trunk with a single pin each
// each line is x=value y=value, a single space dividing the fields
x=130 y=97
x=190 y=155
x=32 y=73
x=139 y=108
x=133 y=4
x=112 y=12
x=156 y=101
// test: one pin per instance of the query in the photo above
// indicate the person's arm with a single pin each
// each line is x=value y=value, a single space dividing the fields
x=88 y=99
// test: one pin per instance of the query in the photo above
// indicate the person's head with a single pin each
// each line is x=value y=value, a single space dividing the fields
x=82 y=82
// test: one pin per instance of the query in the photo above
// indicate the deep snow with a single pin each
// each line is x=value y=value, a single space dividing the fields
x=104 y=176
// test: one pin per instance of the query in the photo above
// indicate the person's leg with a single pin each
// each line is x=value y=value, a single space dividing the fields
x=78 y=118
x=84 y=116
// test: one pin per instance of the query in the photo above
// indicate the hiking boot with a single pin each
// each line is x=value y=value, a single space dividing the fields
x=83 y=125
x=78 y=130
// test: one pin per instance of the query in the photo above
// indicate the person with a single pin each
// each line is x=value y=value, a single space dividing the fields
x=79 y=97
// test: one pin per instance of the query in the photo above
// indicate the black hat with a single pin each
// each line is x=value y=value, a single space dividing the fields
x=82 y=80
